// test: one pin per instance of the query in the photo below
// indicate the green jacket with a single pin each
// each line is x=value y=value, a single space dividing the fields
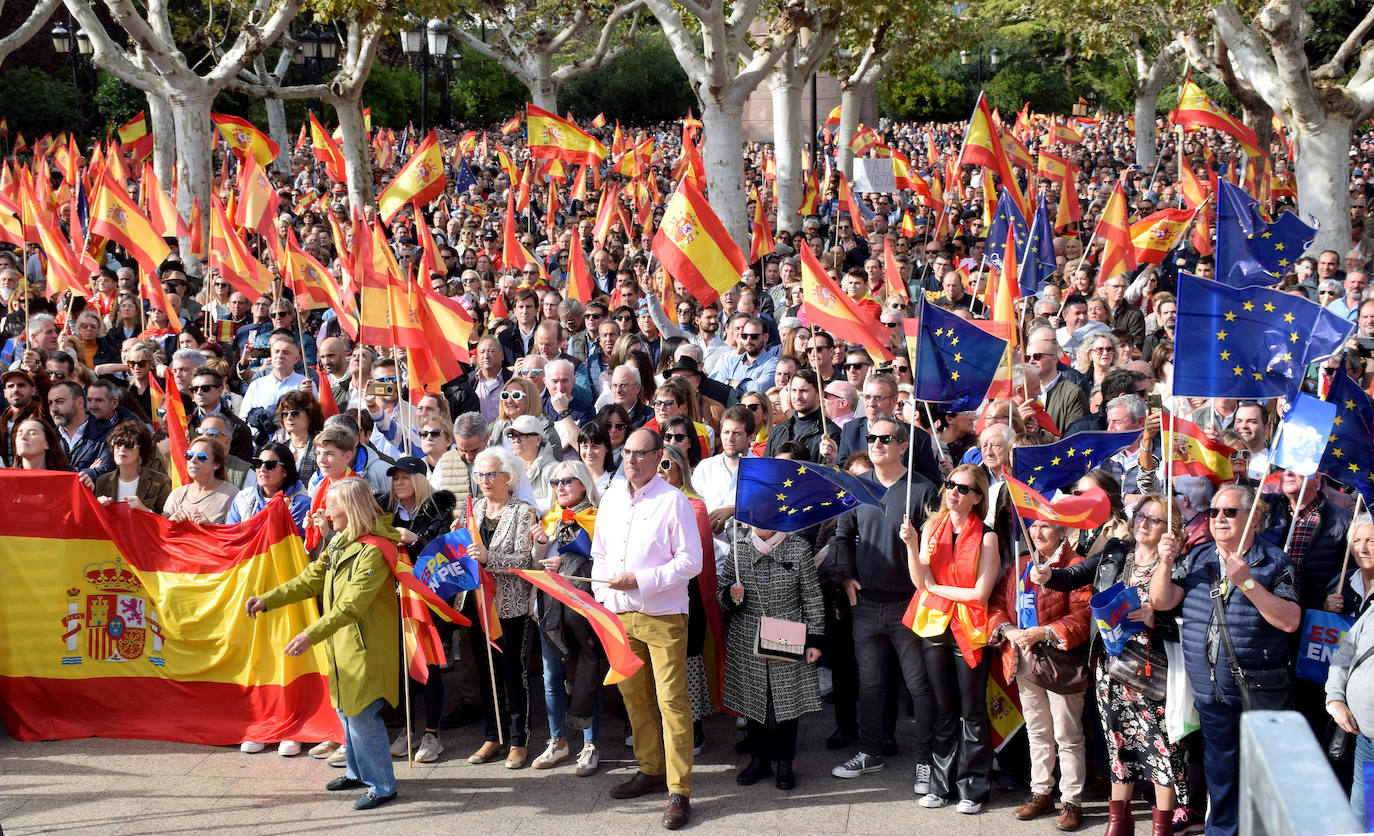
x=361 y=622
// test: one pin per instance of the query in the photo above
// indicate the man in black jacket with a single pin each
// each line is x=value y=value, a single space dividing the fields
x=872 y=561
x=806 y=425
x=880 y=398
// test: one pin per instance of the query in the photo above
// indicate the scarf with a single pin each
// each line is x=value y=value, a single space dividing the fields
x=557 y=519
x=954 y=562
x=766 y=547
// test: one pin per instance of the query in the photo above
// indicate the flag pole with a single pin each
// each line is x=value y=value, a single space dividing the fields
x=1254 y=505
x=940 y=448
x=483 y=615
x=405 y=684
x=820 y=384
x=1350 y=538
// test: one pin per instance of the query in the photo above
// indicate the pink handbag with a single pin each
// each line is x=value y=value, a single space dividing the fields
x=780 y=639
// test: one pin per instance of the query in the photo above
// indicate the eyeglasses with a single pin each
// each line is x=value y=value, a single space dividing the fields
x=665 y=403
x=516 y=435
x=488 y=476
x=1102 y=349
x=430 y=433
x=202 y=388
x=212 y=432
x=902 y=369
x=675 y=438
x=513 y=395
x=834 y=395
x=57 y=375
x=753 y=336
x=885 y=438
x=1229 y=513
x=1146 y=519
x=564 y=482
x=291 y=413
x=124 y=445
x=964 y=490
x=220 y=285
x=639 y=454
x=617 y=425
x=265 y=464
x=276 y=314
x=196 y=456
x=665 y=465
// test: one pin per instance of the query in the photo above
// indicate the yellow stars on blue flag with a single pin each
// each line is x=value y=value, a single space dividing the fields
x=783 y=495
x=1349 y=456
x=1053 y=466
x=1251 y=250
x=955 y=360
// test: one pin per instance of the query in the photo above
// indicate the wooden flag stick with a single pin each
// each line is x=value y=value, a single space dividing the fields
x=1350 y=540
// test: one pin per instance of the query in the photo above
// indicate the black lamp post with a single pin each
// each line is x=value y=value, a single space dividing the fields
x=994 y=59
x=319 y=49
x=422 y=41
x=76 y=49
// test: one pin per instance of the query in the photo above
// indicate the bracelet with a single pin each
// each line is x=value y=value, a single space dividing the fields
x=563 y=414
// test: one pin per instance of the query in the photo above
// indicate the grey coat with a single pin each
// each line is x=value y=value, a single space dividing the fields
x=781 y=585
x=1356 y=691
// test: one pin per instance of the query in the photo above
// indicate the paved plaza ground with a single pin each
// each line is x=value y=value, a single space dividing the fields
x=135 y=786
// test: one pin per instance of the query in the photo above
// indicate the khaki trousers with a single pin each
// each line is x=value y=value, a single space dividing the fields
x=657 y=699
x=1054 y=727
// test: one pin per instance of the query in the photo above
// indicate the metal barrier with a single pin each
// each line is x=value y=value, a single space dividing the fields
x=1287 y=786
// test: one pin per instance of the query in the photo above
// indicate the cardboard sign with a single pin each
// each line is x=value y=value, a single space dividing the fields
x=874 y=175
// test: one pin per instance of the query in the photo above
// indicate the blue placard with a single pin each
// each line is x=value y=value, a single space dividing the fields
x=1321 y=634
x=1111 y=607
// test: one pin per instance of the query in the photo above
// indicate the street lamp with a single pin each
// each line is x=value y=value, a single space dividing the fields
x=61 y=40
x=76 y=49
x=421 y=41
x=994 y=58
x=317 y=54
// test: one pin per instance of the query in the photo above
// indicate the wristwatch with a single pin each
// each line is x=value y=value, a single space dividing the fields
x=1248 y=585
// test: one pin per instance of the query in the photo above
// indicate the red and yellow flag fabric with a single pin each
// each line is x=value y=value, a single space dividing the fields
x=830 y=309
x=1004 y=707
x=133 y=135
x=694 y=246
x=599 y=120
x=1086 y=511
x=551 y=137
x=983 y=146
x=1196 y=109
x=1194 y=454
x=327 y=151
x=760 y=236
x=177 y=439
x=244 y=137
x=231 y=256
x=511 y=126
x=1156 y=234
x=624 y=662
x=115 y=217
x=420 y=180
x=892 y=276
x=134 y=625
x=162 y=209
x=1118 y=256
x=580 y=285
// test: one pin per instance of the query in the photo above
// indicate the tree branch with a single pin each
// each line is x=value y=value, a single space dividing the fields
x=252 y=39
x=579 y=18
x=1335 y=68
x=109 y=56
x=42 y=11
x=1249 y=50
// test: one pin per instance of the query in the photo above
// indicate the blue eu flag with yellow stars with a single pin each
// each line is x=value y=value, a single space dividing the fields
x=786 y=495
x=1006 y=216
x=1349 y=456
x=1050 y=467
x=1251 y=250
x=1248 y=342
x=955 y=360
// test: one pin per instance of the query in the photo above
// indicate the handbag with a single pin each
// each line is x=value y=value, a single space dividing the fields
x=1260 y=690
x=1060 y=671
x=780 y=639
x=1145 y=670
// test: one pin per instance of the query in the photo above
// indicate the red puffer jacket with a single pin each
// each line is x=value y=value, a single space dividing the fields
x=1069 y=613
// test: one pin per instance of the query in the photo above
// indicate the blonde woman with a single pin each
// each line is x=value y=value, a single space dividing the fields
x=360 y=622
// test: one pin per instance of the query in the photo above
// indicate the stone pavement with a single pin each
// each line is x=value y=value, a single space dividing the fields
x=136 y=786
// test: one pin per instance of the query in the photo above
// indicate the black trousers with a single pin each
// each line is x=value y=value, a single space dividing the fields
x=961 y=745
x=510 y=710
x=778 y=743
x=839 y=656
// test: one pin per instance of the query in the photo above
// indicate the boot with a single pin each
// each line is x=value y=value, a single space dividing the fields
x=1119 y=821
x=1161 y=822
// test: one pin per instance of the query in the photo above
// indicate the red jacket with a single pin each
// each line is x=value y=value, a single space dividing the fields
x=1069 y=613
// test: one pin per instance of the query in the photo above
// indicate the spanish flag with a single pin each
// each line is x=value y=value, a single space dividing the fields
x=1155 y=235
x=177 y=437
x=624 y=662
x=327 y=151
x=832 y=119
x=694 y=246
x=420 y=180
x=133 y=135
x=830 y=309
x=580 y=286
x=1118 y=256
x=115 y=217
x=1194 y=454
x=231 y=256
x=761 y=237
x=553 y=138
x=244 y=137
x=511 y=126
x=1197 y=110
x=162 y=209
x=1086 y=511
x=599 y=120
x=119 y=623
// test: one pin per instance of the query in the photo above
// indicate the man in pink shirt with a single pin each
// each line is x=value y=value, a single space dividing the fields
x=647 y=547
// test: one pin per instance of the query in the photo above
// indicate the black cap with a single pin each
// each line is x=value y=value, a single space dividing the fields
x=685 y=363
x=409 y=464
x=489 y=235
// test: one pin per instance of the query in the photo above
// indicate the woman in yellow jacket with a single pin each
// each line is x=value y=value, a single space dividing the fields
x=360 y=628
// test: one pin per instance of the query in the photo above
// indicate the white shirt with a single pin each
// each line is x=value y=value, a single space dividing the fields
x=716 y=478
x=652 y=533
x=266 y=390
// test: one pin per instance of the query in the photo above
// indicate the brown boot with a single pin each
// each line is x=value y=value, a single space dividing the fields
x=1161 y=822
x=1071 y=818
x=1119 y=821
x=1036 y=805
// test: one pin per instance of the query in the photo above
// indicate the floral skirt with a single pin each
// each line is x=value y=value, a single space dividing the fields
x=1138 y=746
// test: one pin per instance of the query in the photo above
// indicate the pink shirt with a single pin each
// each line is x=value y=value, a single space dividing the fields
x=652 y=533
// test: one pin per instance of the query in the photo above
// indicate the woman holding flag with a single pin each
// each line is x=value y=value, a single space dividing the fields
x=1138 y=747
x=574 y=663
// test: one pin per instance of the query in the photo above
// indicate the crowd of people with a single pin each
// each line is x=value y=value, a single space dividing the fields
x=625 y=416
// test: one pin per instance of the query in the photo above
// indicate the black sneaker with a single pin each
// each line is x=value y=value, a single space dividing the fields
x=698 y=738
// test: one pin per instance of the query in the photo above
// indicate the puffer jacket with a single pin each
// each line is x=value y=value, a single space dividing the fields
x=1067 y=612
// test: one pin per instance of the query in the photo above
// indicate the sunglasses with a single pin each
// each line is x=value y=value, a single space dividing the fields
x=750 y=336
x=516 y=435
x=202 y=388
x=902 y=369
x=1229 y=513
x=563 y=482
x=513 y=395
x=212 y=432
x=138 y=364
x=675 y=437
x=617 y=425
x=265 y=464
x=291 y=413
x=665 y=465
x=885 y=438
x=593 y=317
x=276 y=314
x=624 y=318
x=1038 y=356
x=430 y=433
x=964 y=490
x=854 y=366
x=197 y=457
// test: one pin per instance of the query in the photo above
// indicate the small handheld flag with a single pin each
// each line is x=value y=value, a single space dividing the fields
x=785 y=495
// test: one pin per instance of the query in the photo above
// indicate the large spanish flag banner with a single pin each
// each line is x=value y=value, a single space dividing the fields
x=827 y=307
x=245 y=138
x=553 y=138
x=608 y=628
x=1084 y=511
x=420 y=180
x=119 y=623
x=695 y=247
x=1194 y=454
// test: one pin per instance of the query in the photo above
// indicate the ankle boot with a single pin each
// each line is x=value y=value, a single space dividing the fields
x=1119 y=821
x=1161 y=822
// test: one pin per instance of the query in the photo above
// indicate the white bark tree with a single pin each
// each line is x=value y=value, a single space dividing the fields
x=785 y=84
x=345 y=93
x=532 y=37
x=1151 y=73
x=1320 y=105
x=276 y=108
x=724 y=63
x=39 y=15
x=857 y=83
x=156 y=65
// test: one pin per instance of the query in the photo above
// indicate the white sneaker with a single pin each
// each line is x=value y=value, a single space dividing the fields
x=554 y=754
x=967 y=807
x=339 y=759
x=288 y=748
x=922 y=780
x=587 y=760
x=629 y=740
x=430 y=748
x=398 y=746
x=931 y=801
x=320 y=751
x=248 y=747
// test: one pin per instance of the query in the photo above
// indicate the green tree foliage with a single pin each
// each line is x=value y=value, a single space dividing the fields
x=39 y=103
x=643 y=86
x=117 y=101
x=924 y=91
x=483 y=92
x=393 y=93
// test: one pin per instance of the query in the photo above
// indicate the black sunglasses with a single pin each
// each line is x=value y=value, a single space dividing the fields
x=964 y=490
x=270 y=464
x=617 y=425
x=1230 y=513
x=675 y=437
x=885 y=438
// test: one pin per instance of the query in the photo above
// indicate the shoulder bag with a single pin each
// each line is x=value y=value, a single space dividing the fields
x=1260 y=690
x=1145 y=669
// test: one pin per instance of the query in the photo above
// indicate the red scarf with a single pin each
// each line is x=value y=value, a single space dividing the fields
x=954 y=562
x=313 y=534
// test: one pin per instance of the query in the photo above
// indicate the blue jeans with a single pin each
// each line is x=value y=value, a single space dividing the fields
x=1221 y=761
x=556 y=698
x=1364 y=752
x=368 y=752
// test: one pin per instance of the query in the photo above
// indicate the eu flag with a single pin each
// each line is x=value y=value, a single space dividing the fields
x=1251 y=250
x=956 y=360
x=1349 y=456
x=462 y=176
x=1248 y=342
x=1006 y=215
x=785 y=495
x=1037 y=239
x=1050 y=467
